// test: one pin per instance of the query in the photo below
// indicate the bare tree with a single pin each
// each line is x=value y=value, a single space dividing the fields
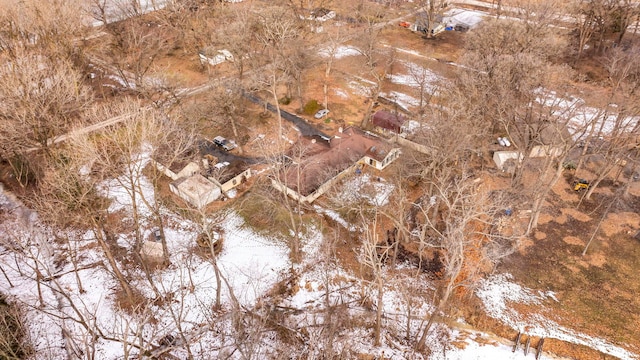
x=42 y=98
x=296 y=66
x=14 y=343
x=241 y=38
x=460 y=232
x=211 y=237
x=432 y=10
x=292 y=170
x=68 y=197
x=373 y=258
x=617 y=126
x=166 y=142
x=329 y=54
x=228 y=106
x=626 y=12
x=278 y=31
x=50 y=28
x=596 y=20
x=378 y=72
x=511 y=72
x=134 y=47
x=423 y=81
x=367 y=44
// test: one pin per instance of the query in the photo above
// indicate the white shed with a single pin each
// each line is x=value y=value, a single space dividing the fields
x=501 y=157
x=196 y=190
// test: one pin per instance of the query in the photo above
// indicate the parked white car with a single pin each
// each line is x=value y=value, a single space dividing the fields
x=221 y=165
x=321 y=113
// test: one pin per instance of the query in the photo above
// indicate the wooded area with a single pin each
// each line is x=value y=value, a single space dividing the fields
x=93 y=92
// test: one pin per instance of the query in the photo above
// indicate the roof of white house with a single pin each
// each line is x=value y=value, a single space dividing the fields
x=500 y=157
x=469 y=18
x=190 y=169
x=195 y=186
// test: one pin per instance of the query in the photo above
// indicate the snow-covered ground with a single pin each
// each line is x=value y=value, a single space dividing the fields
x=413 y=77
x=359 y=188
x=330 y=284
x=402 y=99
x=581 y=119
x=116 y=10
x=416 y=76
x=250 y=263
x=339 y=51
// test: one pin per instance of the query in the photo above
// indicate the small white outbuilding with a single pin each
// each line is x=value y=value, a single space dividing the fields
x=196 y=190
x=502 y=157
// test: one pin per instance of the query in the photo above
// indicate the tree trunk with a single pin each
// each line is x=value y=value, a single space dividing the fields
x=274 y=93
x=630 y=180
x=441 y=304
x=604 y=216
x=380 y=306
x=539 y=201
x=216 y=269
x=98 y=231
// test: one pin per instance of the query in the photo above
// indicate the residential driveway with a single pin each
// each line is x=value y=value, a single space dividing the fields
x=208 y=147
x=305 y=127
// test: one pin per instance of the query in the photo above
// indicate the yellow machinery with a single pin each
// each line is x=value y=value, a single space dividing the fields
x=580 y=184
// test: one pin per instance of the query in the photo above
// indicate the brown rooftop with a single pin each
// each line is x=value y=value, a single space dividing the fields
x=387 y=120
x=228 y=172
x=320 y=161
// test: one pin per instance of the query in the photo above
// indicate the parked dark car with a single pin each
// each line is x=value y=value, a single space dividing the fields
x=157 y=235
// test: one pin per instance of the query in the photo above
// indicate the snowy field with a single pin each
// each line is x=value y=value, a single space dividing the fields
x=251 y=264
x=329 y=284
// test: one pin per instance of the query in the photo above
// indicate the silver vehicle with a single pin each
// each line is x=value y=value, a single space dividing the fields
x=228 y=145
x=321 y=113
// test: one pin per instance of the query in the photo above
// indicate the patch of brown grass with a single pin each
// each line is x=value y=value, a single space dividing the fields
x=573 y=240
x=620 y=222
x=130 y=305
x=595 y=292
x=576 y=214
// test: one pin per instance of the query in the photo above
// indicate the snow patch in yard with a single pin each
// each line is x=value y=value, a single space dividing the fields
x=498 y=291
x=339 y=52
x=416 y=75
x=335 y=217
x=341 y=93
x=360 y=88
x=249 y=261
x=581 y=119
x=375 y=191
x=232 y=193
x=412 y=126
x=404 y=100
x=122 y=81
x=488 y=349
x=470 y=18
